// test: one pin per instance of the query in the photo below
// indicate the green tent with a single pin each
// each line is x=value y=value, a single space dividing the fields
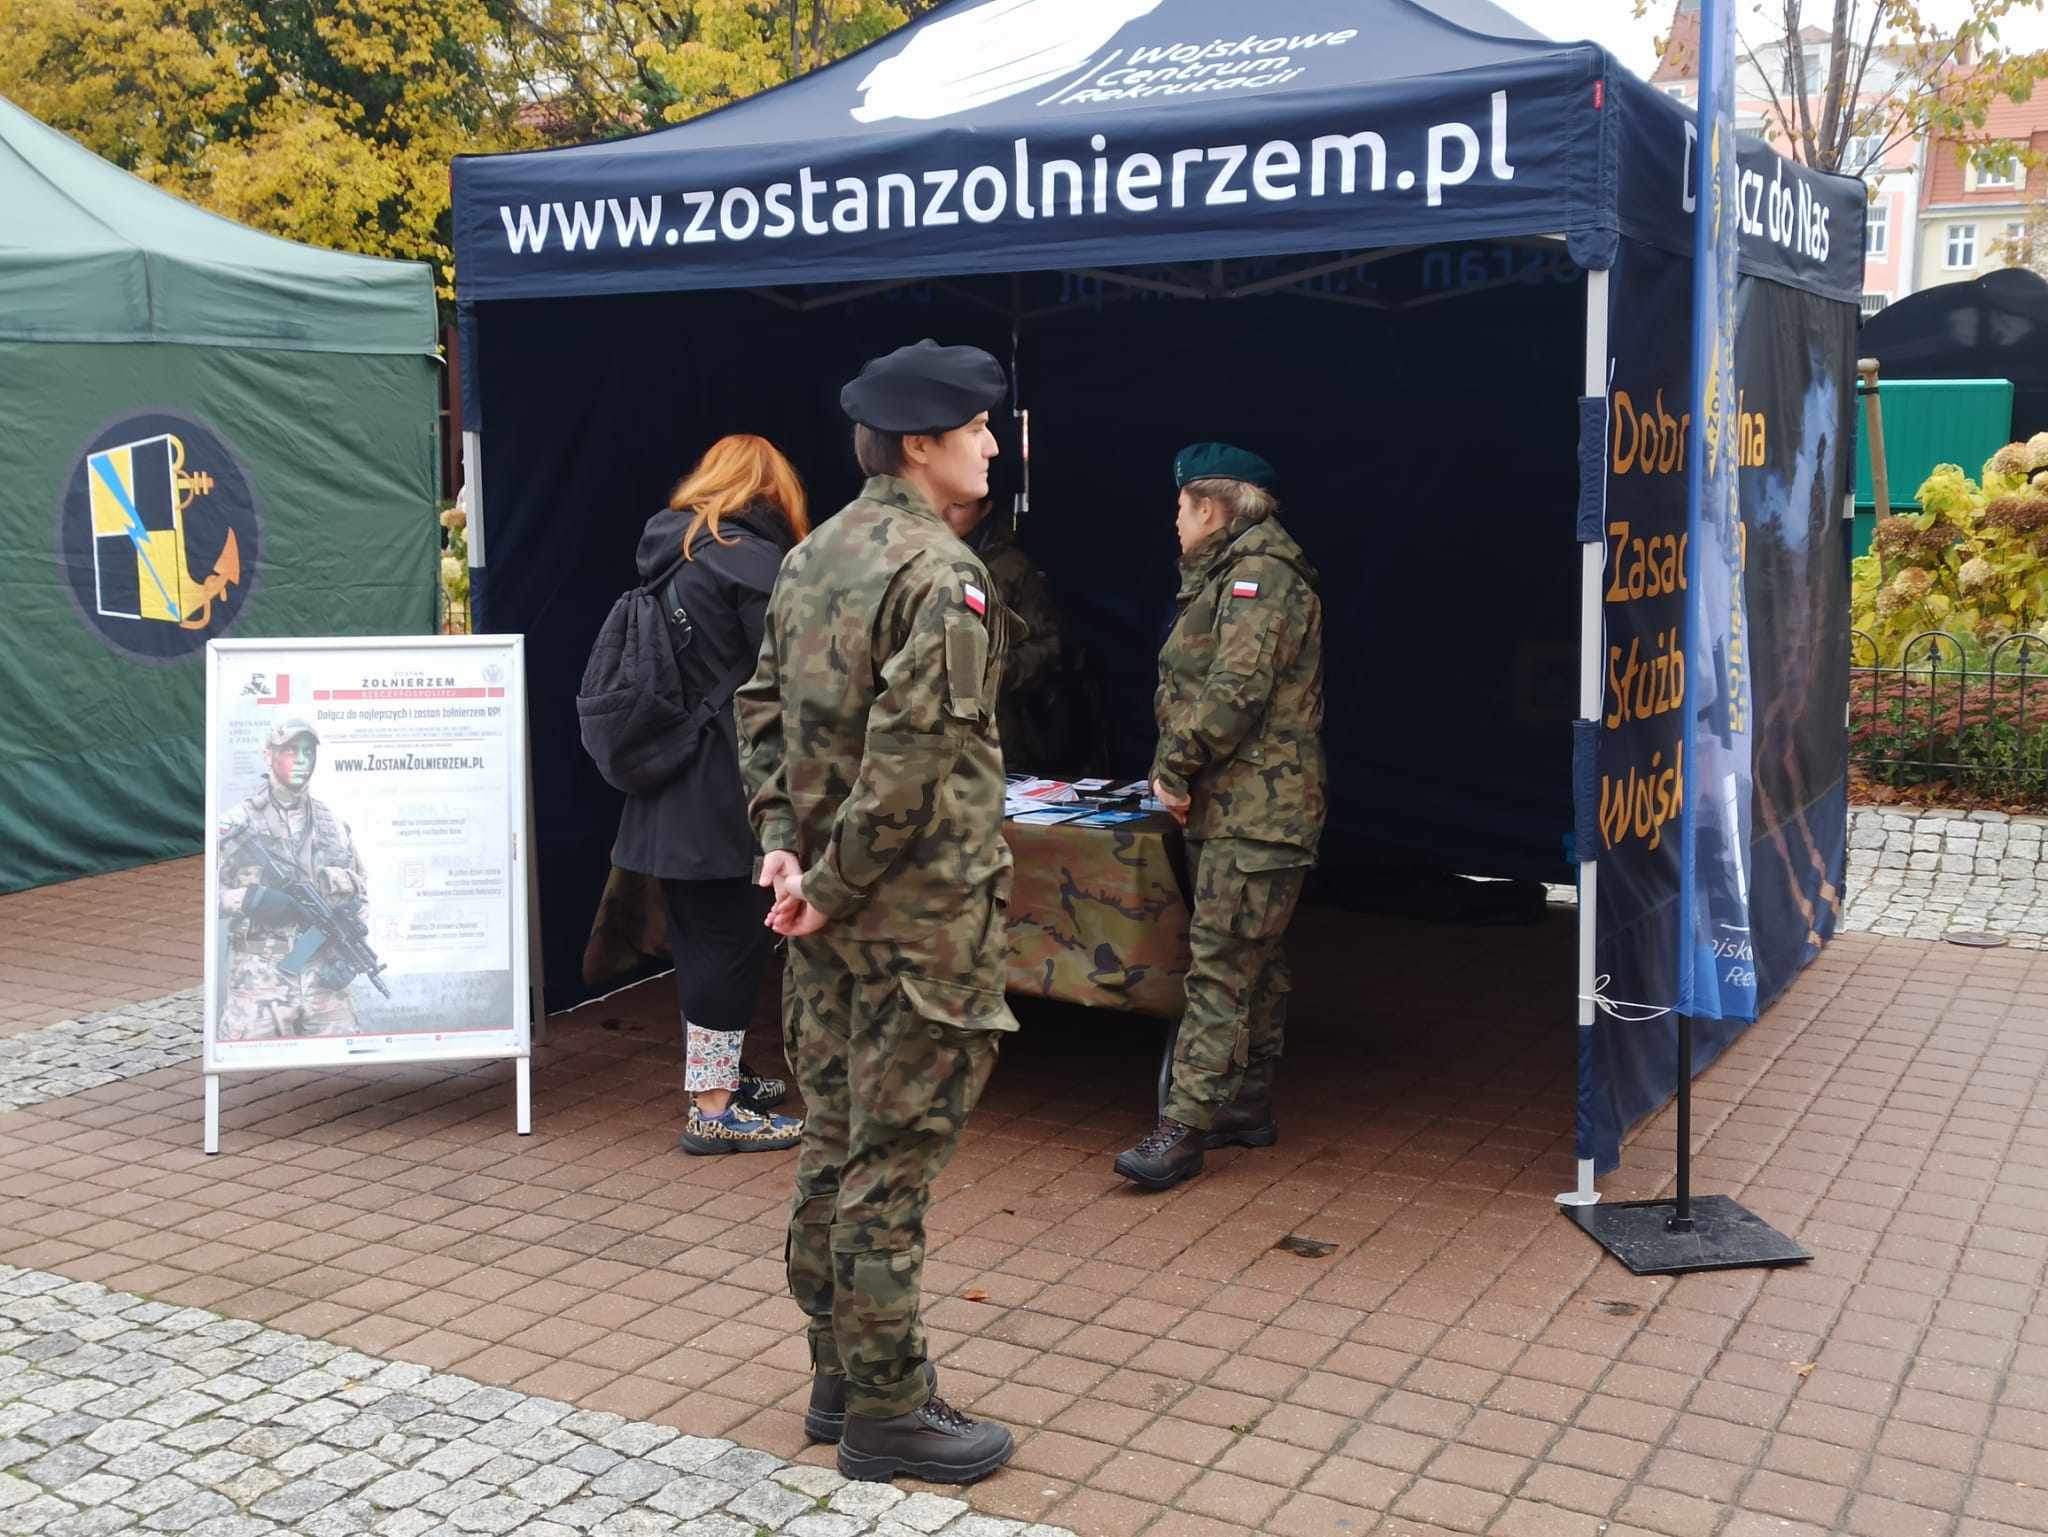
x=209 y=432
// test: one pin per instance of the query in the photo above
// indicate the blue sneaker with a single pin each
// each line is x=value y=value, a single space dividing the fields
x=740 y=1130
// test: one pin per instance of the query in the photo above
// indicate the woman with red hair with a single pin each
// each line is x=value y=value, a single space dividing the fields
x=724 y=533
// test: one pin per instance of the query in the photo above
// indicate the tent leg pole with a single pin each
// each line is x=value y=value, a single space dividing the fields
x=209 y=1137
x=473 y=483
x=522 y=1096
x=1592 y=568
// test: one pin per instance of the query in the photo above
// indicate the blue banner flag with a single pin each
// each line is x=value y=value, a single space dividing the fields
x=1716 y=960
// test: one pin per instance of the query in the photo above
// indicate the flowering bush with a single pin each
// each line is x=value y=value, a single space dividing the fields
x=1973 y=562
x=455 y=571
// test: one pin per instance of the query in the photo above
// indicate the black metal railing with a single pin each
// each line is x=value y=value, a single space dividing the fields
x=1948 y=712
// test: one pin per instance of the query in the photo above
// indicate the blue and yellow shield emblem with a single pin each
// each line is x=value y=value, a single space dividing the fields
x=157 y=526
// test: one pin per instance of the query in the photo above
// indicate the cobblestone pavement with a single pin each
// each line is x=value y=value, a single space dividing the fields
x=1923 y=875
x=124 y=1415
x=55 y=1060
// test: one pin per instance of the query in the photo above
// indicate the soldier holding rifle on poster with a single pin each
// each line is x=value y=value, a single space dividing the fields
x=869 y=744
x=292 y=888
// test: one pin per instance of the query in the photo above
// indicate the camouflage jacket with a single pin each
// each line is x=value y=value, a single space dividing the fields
x=1240 y=700
x=868 y=735
x=1029 y=710
x=309 y=841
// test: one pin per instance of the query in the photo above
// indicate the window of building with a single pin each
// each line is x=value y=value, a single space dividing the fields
x=1962 y=246
x=2018 y=248
x=1872 y=303
x=1862 y=155
x=1877 y=231
x=1802 y=69
x=2002 y=173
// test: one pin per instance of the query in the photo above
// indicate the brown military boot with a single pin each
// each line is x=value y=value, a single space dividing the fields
x=1168 y=1154
x=825 y=1420
x=934 y=1441
x=1246 y=1123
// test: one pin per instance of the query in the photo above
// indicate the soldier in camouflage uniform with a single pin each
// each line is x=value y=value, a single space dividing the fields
x=1240 y=761
x=1031 y=710
x=868 y=743
x=303 y=836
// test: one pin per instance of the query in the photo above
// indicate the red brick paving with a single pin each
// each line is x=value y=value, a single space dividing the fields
x=1466 y=1362
x=97 y=943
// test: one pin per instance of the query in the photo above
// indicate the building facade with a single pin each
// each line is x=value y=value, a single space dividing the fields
x=1932 y=219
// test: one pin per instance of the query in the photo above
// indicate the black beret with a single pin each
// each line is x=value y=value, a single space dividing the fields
x=925 y=388
x=1219 y=461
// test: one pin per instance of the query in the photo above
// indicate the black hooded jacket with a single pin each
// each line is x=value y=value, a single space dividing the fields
x=695 y=828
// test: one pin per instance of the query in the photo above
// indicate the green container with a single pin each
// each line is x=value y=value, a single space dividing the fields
x=1929 y=422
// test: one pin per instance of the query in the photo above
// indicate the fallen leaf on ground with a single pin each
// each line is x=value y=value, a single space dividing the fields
x=1804 y=1368
x=1307 y=1248
x=975 y=1294
x=1618 y=1309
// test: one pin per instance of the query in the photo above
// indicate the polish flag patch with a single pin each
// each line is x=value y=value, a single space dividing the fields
x=1244 y=589
x=976 y=598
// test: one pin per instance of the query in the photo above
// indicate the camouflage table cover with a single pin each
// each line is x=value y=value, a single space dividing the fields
x=1098 y=916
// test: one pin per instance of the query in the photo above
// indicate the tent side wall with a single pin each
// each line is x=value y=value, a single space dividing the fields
x=322 y=466
x=1795 y=377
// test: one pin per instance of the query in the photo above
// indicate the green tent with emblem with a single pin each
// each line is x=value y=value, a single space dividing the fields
x=210 y=431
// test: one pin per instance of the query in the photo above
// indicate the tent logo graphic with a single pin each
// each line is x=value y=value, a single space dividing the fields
x=992 y=51
x=158 y=535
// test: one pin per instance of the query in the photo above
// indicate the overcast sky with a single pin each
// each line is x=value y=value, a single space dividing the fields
x=1611 y=23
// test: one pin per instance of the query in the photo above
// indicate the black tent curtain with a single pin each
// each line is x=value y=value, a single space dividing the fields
x=1421 y=409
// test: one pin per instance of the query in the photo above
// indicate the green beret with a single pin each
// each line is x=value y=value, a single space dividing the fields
x=925 y=388
x=1219 y=461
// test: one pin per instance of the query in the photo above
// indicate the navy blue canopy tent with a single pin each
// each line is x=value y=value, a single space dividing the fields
x=1431 y=263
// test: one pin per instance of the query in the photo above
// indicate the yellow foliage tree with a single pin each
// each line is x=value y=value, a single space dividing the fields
x=333 y=121
x=330 y=121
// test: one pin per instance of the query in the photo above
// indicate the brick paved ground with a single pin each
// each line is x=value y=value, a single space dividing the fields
x=82 y=946
x=1465 y=1361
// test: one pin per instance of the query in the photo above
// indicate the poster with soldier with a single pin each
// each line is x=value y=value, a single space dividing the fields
x=366 y=894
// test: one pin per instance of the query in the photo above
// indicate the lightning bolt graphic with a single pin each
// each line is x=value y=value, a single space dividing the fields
x=137 y=534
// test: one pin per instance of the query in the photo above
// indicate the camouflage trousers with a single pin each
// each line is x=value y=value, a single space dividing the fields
x=263 y=1004
x=1238 y=980
x=891 y=1062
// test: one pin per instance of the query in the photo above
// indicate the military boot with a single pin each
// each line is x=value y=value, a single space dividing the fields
x=825 y=1420
x=1245 y=1123
x=1168 y=1154
x=934 y=1441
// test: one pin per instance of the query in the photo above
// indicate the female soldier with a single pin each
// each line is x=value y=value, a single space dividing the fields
x=731 y=521
x=1240 y=763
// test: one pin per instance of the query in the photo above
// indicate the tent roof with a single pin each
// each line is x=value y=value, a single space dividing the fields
x=89 y=253
x=1006 y=135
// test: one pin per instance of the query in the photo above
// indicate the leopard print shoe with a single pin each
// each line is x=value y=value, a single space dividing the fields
x=740 y=1130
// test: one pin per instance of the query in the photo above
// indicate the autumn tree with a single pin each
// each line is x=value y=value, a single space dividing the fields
x=333 y=121
x=1847 y=81
x=594 y=70
x=327 y=121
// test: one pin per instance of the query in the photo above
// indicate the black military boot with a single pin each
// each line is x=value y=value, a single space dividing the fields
x=825 y=1420
x=1168 y=1154
x=1245 y=1123
x=934 y=1441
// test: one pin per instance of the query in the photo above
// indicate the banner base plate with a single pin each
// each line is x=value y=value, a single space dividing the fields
x=1724 y=1236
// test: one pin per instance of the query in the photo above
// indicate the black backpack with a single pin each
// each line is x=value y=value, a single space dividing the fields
x=637 y=720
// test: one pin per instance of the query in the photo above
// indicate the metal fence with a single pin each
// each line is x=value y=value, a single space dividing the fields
x=1946 y=712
